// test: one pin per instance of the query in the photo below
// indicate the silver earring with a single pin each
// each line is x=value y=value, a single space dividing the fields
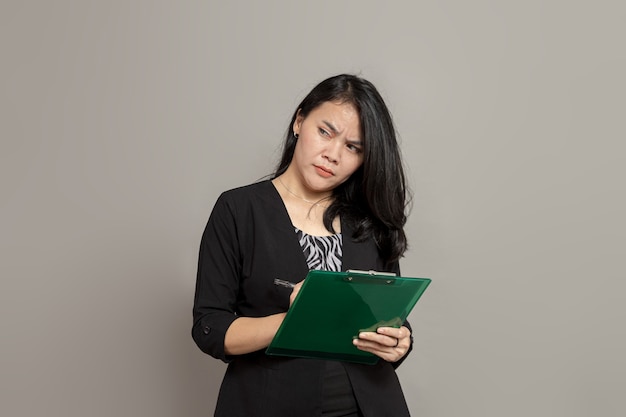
x=295 y=135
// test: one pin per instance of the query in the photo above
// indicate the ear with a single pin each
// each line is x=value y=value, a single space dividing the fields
x=297 y=124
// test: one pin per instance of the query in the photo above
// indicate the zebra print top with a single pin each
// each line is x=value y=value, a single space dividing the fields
x=321 y=252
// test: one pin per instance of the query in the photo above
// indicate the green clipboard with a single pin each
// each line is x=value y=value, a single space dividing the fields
x=333 y=307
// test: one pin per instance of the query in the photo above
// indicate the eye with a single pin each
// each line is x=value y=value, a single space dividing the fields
x=354 y=148
x=323 y=132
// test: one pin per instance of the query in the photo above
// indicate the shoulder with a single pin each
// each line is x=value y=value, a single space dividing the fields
x=252 y=197
x=248 y=192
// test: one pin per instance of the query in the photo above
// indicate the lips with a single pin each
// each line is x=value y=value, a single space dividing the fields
x=323 y=171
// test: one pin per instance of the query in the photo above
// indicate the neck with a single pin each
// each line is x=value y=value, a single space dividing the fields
x=296 y=191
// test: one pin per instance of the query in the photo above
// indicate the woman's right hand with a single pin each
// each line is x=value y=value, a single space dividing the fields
x=294 y=292
x=248 y=334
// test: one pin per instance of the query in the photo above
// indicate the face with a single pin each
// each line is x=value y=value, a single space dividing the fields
x=329 y=147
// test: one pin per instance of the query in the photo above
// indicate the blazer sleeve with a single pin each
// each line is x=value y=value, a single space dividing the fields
x=217 y=281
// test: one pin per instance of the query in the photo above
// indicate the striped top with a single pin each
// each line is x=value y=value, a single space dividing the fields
x=321 y=252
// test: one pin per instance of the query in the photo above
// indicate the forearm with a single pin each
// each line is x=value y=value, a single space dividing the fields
x=249 y=334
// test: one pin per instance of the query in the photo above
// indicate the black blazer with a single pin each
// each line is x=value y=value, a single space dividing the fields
x=248 y=242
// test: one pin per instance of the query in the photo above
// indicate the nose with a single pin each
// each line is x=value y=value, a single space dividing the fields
x=332 y=151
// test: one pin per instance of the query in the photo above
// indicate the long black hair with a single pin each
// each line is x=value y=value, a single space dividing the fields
x=374 y=198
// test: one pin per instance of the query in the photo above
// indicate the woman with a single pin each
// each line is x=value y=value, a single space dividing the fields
x=336 y=202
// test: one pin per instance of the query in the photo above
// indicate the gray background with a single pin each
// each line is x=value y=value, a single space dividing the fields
x=122 y=121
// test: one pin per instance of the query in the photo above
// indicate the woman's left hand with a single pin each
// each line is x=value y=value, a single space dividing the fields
x=388 y=343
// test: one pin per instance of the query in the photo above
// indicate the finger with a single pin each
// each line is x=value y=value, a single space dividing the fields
x=294 y=292
x=390 y=354
x=374 y=341
x=375 y=347
x=381 y=339
x=398 y=333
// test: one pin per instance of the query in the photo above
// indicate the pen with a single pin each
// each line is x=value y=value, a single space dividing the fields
x=284 y=283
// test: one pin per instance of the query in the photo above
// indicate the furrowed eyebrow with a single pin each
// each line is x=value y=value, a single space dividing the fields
x=330 y=126
x=335 y=131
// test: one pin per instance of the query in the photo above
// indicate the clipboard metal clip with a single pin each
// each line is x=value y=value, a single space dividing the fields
x=370 y=276
x=370 y=272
